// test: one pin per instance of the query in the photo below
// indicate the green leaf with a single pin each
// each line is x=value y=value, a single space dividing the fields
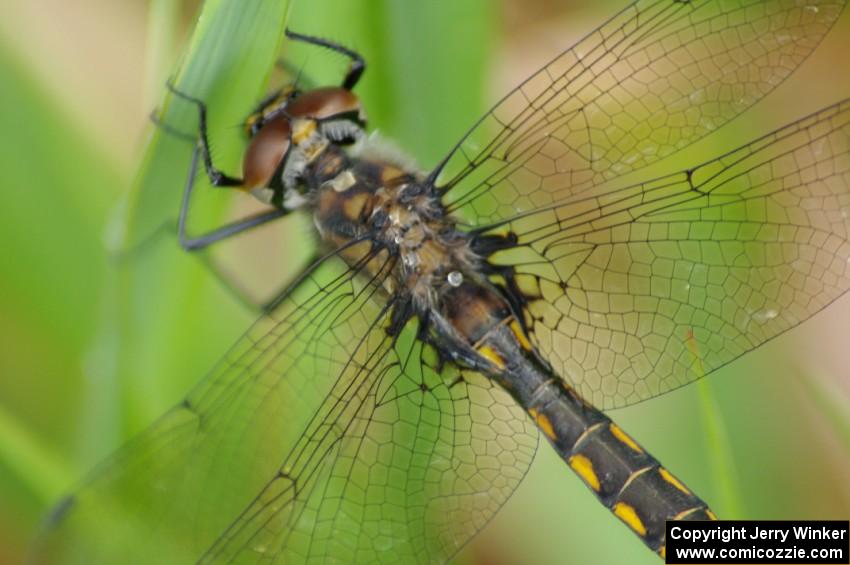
x=167 y=309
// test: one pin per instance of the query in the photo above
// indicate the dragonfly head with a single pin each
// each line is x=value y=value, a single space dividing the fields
x=292 y=128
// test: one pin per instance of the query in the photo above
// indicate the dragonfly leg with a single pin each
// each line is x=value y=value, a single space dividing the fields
x=194 y=243
x=217 y=178
x=355 y=69
x=198 y=243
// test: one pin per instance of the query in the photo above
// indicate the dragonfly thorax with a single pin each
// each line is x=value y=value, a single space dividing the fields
x=387 y=205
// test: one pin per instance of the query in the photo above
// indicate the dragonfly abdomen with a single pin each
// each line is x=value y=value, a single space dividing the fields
x=626 y=479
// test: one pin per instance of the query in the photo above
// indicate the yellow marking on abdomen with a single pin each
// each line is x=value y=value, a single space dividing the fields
x=662 y=551
x=491 y=355
x=665 y=474
x=520 y=336
x=711 y=515
x=584 y=469
x=627 y=514
x=618 y=433
x=543 y=423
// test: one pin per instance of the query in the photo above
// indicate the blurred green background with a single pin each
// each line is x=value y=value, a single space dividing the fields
x=95 y=343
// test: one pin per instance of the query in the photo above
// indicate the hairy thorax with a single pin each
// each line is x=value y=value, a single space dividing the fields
x=374 y=206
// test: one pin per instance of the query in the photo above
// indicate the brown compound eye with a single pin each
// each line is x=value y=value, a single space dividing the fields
x=266 y=152
x=325 y=103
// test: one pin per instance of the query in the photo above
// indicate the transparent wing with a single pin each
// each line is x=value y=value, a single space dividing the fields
x=654 y=78
x=318 y=437
x=634 y=291
x=424 y=462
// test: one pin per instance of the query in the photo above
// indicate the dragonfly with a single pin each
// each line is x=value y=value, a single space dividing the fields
x=391 y=400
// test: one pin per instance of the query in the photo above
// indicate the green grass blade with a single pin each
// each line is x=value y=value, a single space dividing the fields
x=37 y=467
x=720 y=453
x=165 y=348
